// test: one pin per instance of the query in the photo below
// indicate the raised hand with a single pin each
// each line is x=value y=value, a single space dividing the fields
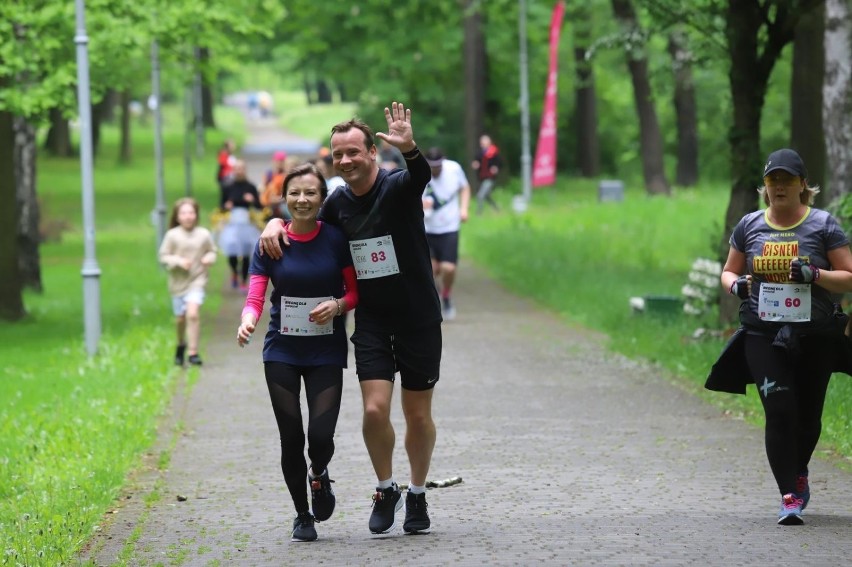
x=399 y=127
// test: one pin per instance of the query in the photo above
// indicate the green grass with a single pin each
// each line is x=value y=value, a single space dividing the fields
x=73 y=427
x=585 y=259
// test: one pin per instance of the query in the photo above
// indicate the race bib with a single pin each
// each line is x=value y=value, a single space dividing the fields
x=784 y=303
x=374 y=257
x=296 y=318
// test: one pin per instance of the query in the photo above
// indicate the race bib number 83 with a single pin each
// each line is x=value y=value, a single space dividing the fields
x=374 y=257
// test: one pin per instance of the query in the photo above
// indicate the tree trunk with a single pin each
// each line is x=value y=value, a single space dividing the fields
x=806 y=96
x=585 y=104
x=685 y=110
x=11 y=295
x=28 y=214
x=650 y=137
x=97 y=118
x=474 y=81
x=124 y=147
x=837 y=98
x=323 y=92
x=58 y=140
x=207 y=100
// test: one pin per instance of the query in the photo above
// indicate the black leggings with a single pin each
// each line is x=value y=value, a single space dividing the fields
x=323 y=388
x=792 y=391
x=244 y=267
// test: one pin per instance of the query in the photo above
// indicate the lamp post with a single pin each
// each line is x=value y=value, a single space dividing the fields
x=160 y=208
x=520 y=205
x=91 y=272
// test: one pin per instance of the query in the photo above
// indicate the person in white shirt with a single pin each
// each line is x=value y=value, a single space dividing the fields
x=445 y=207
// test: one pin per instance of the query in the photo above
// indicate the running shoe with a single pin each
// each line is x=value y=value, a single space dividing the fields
x=195 y=360
x=385 y=505
x=234 y=282
x=322 y=497
x=791 y=511
x=416 y=517
x=448 y=309
x=180 y=352
x=303 y=528
x=803 y=489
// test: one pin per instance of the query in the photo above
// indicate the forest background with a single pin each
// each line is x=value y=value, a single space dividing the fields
x=680 y=102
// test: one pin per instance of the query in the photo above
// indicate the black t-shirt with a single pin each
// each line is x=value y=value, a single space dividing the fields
x=393 y=206
x=235 y=193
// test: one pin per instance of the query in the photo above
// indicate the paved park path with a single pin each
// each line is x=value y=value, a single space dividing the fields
x=569 y=455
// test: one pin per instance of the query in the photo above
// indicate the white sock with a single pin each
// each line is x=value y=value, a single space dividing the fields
x=311 y=474
x=414 y=489
x=386 y=483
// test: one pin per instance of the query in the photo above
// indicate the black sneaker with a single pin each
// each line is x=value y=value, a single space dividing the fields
x=180 y=352
x=303 y=528
x=416 y=517
x=195 y=360
x=322 y=497
x=385 y=504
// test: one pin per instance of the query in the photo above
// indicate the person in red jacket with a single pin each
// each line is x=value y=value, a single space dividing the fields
x=487 y=163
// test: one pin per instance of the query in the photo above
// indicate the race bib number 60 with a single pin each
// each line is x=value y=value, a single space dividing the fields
x=786 y=303
x=374 y=257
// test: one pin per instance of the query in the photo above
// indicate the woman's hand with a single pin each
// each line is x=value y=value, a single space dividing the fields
x=246 y=330
x=324 y=312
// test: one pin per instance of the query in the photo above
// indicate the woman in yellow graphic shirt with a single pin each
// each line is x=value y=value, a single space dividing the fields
x=788 y=263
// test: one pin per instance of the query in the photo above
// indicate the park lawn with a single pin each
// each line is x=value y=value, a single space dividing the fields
x=585 y=259
x=73 y=427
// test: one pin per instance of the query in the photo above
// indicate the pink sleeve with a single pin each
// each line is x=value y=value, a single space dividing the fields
x=350 y=284
x=256 y=296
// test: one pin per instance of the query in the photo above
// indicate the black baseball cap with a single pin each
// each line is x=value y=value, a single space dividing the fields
x=786 y=159
x=435 y=157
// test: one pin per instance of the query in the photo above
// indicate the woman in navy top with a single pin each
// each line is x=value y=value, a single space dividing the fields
x=313 y=285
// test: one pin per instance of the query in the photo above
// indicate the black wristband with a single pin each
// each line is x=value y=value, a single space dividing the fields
x=411 y=154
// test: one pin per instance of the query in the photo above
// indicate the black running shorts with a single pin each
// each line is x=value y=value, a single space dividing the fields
x=415 y=354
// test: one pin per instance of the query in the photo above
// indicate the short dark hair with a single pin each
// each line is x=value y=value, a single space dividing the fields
x=305 y=169
x=357 y=124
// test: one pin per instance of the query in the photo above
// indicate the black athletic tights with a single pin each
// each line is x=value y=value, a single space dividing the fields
x=233 y=261
x=793 y=394
x=323 y=388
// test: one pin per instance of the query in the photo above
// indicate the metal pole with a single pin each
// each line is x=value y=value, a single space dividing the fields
x=199 y=107
x=91 y=272
x=526 y=183
x=187 y=141
x=160 y=208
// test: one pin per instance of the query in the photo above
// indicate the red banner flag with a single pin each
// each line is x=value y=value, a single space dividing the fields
x=544 y=166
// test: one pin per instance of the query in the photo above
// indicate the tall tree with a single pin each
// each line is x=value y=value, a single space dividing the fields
x=650 y=137
x=475 y=79
x=585 y=97
x=837 y=97
x=686 y=110
x=27 y=207
x=806 y=105
x=11 y=297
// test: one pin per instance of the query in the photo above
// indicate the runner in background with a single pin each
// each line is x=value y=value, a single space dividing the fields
x=445 y=208
x=487 y=164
